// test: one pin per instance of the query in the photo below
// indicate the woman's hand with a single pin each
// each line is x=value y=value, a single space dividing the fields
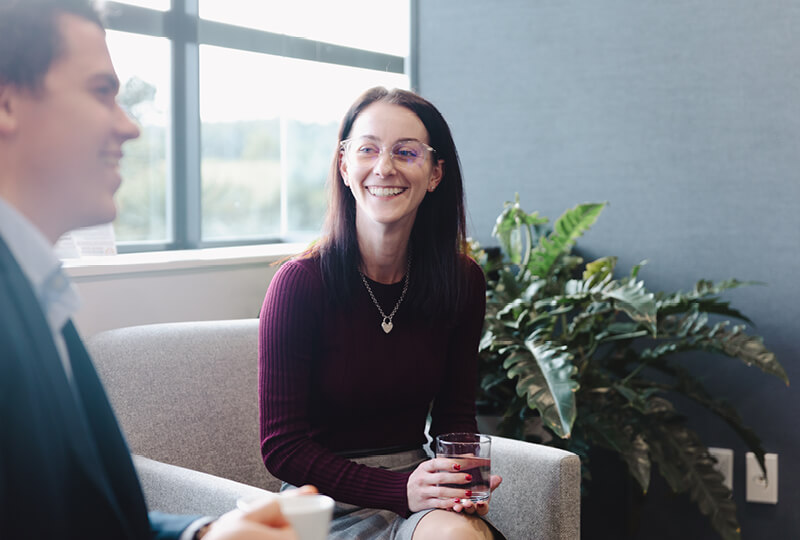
x=481 y=508
x=428 y=487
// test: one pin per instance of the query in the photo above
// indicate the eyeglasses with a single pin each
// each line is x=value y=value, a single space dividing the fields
x=365 y=151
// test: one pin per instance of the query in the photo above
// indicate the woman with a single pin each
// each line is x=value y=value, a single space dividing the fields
x=374 y=326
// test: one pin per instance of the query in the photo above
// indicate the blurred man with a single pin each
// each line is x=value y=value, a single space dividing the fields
x=65 y=470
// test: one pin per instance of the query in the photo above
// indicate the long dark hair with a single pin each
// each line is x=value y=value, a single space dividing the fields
x=438 y=238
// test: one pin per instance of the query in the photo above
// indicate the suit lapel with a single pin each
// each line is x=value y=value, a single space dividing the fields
x=115 y=457
x=75 y=422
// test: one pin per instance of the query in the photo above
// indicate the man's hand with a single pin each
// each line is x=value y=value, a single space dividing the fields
x=263 y=522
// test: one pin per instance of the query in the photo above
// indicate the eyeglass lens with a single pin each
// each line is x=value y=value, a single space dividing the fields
x=408 y=152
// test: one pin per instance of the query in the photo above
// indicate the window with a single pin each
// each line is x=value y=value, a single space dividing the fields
x=239 y=103
x=362 y=24
x=161 y=5
x=143 y=67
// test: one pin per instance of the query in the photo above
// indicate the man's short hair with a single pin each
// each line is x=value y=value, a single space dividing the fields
x=30 y=40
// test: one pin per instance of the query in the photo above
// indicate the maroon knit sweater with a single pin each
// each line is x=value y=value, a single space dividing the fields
x=331 y=381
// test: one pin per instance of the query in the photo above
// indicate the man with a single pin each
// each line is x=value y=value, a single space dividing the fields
x=65 y=470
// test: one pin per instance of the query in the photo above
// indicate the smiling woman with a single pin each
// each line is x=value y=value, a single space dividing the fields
x=386 y=308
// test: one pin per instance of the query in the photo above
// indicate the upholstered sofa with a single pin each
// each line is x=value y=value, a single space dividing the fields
x=186 y=396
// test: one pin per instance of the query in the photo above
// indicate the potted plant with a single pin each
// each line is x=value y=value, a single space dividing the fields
x=594 y=356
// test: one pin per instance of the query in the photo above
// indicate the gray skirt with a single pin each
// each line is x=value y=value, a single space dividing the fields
x=352 y=522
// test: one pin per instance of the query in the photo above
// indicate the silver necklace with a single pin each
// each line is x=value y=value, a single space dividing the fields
x=386 y=324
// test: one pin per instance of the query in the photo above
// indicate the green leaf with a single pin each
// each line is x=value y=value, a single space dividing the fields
x=686 y=384
x=568 y=228
x=704 y=298
x=613 y=429
x=636 y=268
x=688 y=467
x=632 y=298
x=637 y=456
x=694 y=333
x=751 y=351
x=545 y=373
x=598 y=270
x=706 y=288
x=486 y=341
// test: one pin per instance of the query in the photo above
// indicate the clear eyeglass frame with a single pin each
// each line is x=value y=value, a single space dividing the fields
x=405 y=152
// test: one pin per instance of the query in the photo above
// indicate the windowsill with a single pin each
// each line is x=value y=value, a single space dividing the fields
x=190 y=259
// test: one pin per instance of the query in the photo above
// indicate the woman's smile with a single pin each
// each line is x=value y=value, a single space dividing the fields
x=384 y=192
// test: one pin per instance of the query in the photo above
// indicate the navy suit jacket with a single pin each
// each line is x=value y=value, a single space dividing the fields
x=65 y=468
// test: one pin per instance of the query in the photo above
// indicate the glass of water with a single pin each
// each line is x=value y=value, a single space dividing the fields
x=473 y=452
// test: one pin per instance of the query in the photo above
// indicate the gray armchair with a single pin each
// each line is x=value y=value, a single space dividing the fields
x=186 y=397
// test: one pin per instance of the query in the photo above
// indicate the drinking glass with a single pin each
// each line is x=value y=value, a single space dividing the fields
x=473 y=452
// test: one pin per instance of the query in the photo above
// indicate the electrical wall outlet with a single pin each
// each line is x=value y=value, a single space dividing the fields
x=760 y=489
x=724 y=465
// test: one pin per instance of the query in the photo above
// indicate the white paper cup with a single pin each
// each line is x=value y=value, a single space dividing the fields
x=310 y=515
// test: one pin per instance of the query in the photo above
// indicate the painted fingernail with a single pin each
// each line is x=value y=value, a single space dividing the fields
x=468 y=493
x=457 y=501
x=481 y=504
x=456 y=466
x=469 y=478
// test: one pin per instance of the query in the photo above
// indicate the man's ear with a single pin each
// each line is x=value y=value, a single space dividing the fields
x=8 y=109
x=436 y=175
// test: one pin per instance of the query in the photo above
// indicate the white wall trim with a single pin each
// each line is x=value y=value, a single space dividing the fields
x=174 y=286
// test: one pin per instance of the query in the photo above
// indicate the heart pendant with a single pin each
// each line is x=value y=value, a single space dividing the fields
x=387 y=326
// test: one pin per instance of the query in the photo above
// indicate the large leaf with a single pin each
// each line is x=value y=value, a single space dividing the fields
x=688 y=467
x=568 y=228
x=690 y=387
x=632 y=298
x=693 y=332
x=546 y=380
x=704 y=297
x=750 y=350
x=627 y=295
x=612 y=428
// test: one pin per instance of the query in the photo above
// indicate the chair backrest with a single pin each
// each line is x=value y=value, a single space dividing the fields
x=186 y=394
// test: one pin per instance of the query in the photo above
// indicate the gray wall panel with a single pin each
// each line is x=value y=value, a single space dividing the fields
x=685 y=116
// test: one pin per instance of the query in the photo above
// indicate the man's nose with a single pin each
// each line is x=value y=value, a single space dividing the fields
x=126 y=128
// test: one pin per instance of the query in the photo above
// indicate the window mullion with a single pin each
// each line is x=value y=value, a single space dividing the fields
x=186 y=190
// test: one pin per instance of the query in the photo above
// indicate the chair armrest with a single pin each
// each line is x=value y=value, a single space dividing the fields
x=176 y=490
x=540 y=494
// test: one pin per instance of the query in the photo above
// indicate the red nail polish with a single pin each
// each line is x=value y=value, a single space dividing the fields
x=457 y=467
x=457 y=501
x=469 y=478
x=468 y=493
x=481 y=504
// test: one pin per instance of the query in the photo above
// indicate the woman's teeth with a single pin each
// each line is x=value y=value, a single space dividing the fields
x=384 y=191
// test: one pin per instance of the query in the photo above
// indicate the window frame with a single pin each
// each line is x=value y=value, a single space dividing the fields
x=186 y=31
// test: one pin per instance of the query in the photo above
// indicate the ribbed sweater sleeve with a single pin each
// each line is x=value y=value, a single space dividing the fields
x=290 y=322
